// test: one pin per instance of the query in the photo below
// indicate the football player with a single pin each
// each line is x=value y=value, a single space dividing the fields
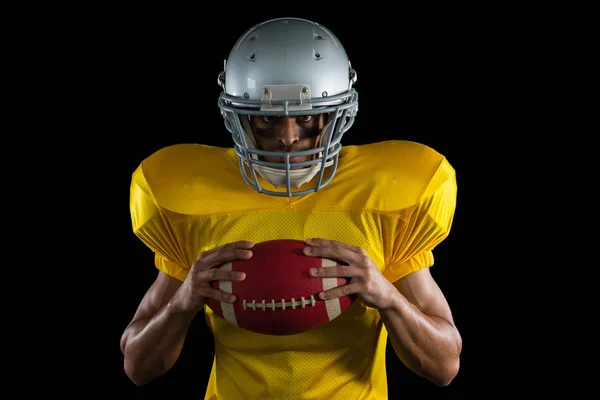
x=288 y=97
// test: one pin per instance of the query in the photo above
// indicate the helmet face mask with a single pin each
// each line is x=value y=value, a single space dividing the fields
x=288 y=67
x=287 y=134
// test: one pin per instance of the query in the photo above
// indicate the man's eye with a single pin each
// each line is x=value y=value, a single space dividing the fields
x=305 y=118
x=270 y=119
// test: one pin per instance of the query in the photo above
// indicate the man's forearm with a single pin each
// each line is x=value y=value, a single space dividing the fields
x=428 y=345
x=152 y=346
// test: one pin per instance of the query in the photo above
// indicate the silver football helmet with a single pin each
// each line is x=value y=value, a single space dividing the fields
x=288 y=67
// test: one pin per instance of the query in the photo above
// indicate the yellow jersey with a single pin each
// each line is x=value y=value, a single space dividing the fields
x=396 y=199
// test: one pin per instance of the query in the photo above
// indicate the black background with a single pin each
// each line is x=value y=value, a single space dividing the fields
x=425 y=76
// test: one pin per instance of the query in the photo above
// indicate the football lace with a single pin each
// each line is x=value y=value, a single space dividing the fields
x=283 y=304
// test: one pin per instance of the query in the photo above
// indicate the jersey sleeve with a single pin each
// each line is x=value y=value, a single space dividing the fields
x=427 y=224
x=152 y=227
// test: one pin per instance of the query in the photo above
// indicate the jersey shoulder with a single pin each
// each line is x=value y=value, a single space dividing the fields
x=394 y=174
x=183 y=176
x=183 y=161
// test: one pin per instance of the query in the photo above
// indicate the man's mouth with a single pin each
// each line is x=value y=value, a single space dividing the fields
x=292 y=159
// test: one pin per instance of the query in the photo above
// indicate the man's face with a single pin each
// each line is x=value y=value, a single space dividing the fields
x=287 y=134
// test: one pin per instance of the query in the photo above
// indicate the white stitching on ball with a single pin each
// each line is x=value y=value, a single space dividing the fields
x=263 y=305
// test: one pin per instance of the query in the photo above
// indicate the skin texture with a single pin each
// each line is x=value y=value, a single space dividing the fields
x=413 y=309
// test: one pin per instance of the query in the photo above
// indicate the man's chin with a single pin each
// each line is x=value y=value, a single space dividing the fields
x=293 y=160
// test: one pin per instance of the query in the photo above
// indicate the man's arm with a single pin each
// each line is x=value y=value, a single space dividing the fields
x=414 y=309
x=421 y=328
x=153 y=340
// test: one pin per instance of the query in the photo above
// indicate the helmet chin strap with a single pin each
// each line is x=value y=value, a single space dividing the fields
x=277 y=177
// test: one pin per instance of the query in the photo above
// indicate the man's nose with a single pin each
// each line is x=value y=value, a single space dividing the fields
x=287 y=132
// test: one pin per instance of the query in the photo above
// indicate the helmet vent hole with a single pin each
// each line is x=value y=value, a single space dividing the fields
x=252 y=57
x=317 y=36
x=317 y=55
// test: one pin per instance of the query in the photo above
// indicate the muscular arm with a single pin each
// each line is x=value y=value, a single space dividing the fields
x=421 y=328
x=153 y=340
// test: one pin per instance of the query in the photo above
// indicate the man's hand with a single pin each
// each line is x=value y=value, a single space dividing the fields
x=196 y=286
x=366 y=281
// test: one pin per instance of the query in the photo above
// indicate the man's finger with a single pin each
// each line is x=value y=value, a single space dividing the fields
x=336 y=272
x=350 y=288
x=332 y=252
x=228 y=252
